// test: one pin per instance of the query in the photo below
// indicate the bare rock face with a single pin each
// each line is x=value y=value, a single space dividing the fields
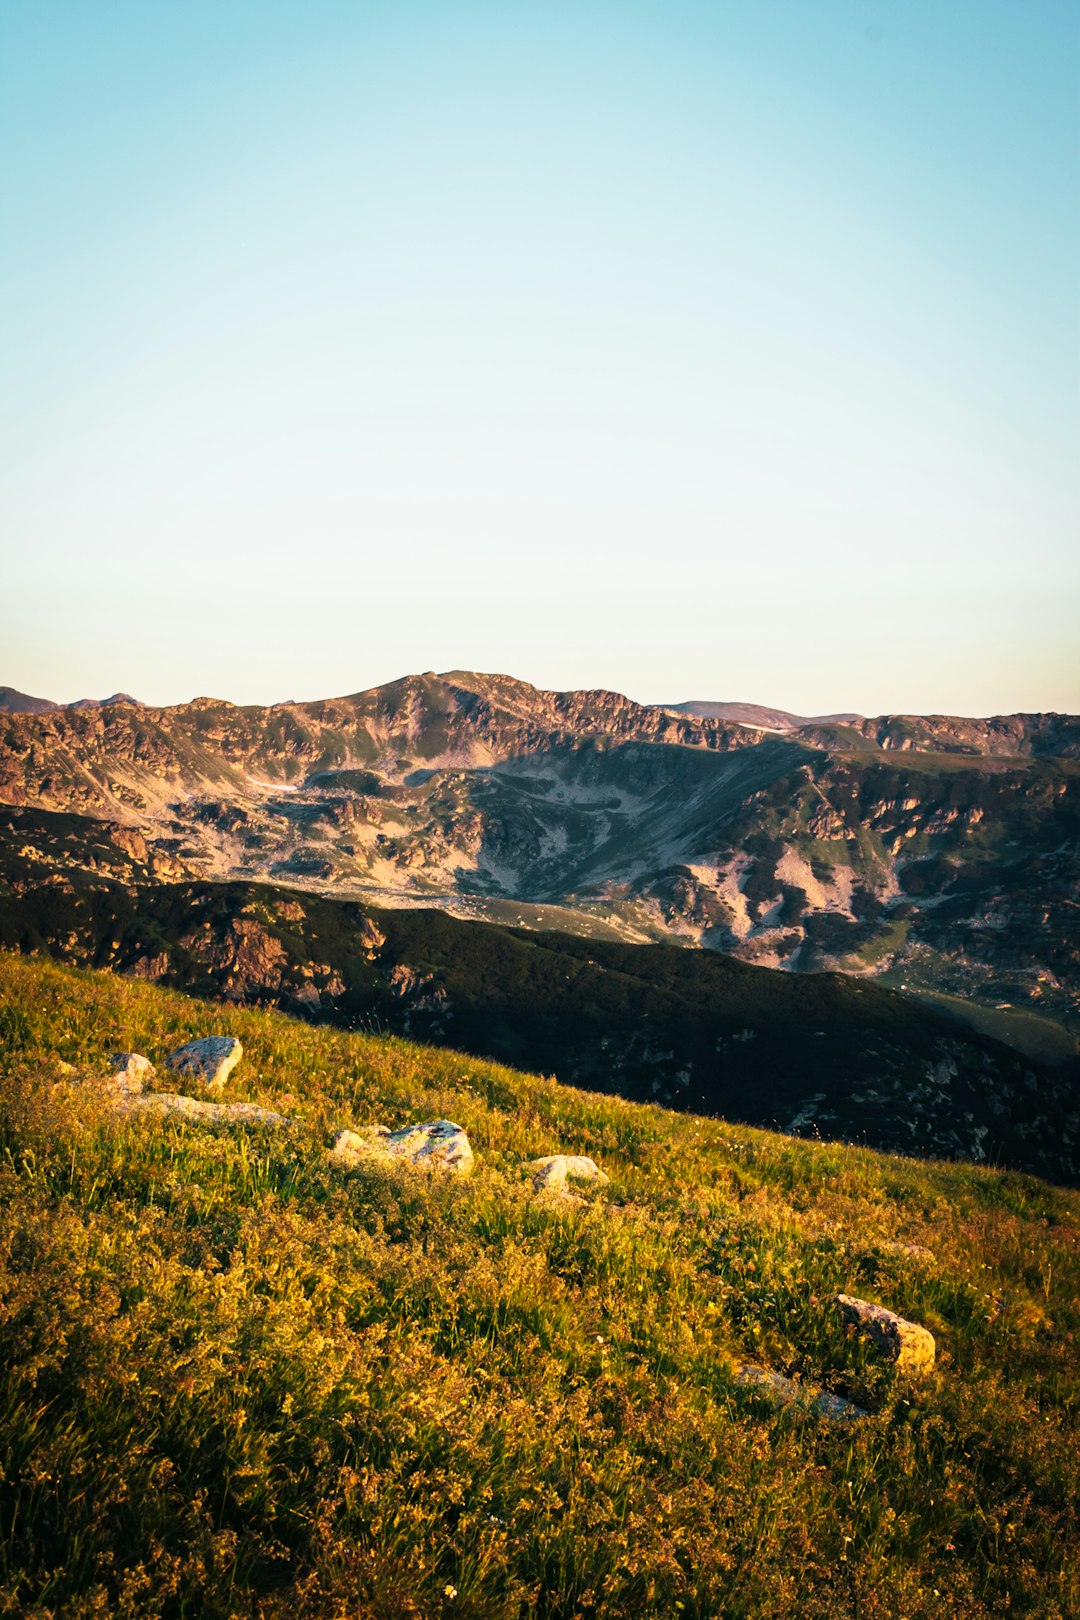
x=371 y=938
x=553 y=1172
x=204 y=1113
x=130 y=1072
x=910 y=1346
x=438 y=1144
x=210 y=1060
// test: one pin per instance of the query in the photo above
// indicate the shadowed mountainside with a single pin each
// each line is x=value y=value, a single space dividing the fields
x=816 y=1054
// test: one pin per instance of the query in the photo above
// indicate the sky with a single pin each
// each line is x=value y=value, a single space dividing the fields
x=723 y=351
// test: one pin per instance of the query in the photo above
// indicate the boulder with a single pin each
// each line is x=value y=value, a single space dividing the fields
x=910 y=1346
x=210 y=1060
x=438 y=1144
x=130 y=1072
x=553 y=1172
x=160 y=1103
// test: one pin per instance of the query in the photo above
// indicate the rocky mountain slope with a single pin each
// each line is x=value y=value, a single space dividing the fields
x=938 y=851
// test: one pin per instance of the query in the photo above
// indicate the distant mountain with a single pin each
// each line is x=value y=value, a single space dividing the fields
x=13 y=702
x=753 y=714
x=941 y=851
x=101 y=703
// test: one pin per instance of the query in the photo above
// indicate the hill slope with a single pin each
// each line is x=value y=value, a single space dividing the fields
x=816 y=1053
x=235 y=1382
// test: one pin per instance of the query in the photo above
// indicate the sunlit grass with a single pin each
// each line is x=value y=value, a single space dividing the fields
x=236 y=1382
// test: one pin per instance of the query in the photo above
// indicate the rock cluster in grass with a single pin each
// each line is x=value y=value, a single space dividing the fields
x=437 y=1144
x=130 y=1073
x=911 y=1347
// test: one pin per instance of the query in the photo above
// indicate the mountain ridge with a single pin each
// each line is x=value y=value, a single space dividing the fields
x=941 y=850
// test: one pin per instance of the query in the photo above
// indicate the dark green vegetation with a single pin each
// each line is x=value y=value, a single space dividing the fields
x=233 y=1382
x=817 y=1054
x=942 y=849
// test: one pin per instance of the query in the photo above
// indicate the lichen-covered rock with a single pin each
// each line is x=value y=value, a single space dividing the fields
x=211 y=1059
x=438 y=1144
x=553 y=1172
x=130 y=1072
x=204 y=1113
x=910 y=1346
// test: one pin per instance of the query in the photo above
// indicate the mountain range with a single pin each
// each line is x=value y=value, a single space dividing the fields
x=257 y=852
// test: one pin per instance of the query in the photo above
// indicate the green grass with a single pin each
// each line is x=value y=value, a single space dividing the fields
x=233 y=1382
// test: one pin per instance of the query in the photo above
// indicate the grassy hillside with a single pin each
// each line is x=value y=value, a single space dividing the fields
x=234 y=1382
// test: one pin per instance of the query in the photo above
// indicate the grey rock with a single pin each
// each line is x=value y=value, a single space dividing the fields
x=211 y=1059
x=786 y=1392
x=767 y=1382
x=837 y=1408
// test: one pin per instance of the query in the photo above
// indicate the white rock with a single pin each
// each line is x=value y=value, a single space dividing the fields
x=909 y=1251
x=130 y=1072
x=210 y=1060
x=438 y=1144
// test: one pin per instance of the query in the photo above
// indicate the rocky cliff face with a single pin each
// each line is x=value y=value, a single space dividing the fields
x=942 y=851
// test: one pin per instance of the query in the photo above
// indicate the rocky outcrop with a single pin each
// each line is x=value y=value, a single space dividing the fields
x=210 y=1059
x=438 y=1144
x=911 y=1347
x=246 y=957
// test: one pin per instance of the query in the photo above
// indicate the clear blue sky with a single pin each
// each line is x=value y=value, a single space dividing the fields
x=722 y=350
